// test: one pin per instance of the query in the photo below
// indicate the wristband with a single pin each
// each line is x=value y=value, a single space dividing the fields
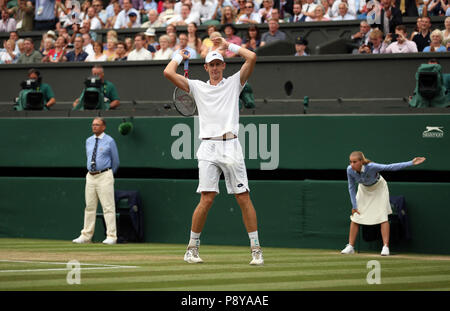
x=178 y=58
x=234 y=48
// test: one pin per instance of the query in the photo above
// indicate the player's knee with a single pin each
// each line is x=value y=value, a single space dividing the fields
x=243 y=199
x=207 y=199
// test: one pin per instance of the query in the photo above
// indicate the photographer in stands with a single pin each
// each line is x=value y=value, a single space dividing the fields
x=98 y=93
x=35 y=95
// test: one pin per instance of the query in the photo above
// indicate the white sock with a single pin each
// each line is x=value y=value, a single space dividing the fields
x=254 y=241
x=194 y=241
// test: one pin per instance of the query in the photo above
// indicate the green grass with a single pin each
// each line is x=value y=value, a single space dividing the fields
x=160 y=267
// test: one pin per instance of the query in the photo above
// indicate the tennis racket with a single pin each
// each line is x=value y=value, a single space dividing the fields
x=184 y=103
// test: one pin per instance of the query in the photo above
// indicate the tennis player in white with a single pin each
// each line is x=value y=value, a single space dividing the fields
x=220 y=151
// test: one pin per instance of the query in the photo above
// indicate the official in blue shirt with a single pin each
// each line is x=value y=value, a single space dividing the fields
x=102 y=162
x=370 y=205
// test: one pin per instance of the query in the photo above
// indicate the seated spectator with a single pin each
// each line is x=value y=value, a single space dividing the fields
x=214 y=46
x=362 y=36
x=112 y=19
x=7 y=24
x=150 y=5
x=77 y=55
x=206 y=42
x=252 y=40
x=228 y=15
x=276 y=16
x=24 y=13
x=185 y=17
x=390 y=16
x=351 y=8
x=183 y=45
x=7 y=56
x=123 y=18
x=153 y=20
x=249 y=16
x=423 y=39
x=30 y=55
x=446 y=31
x=297 y=16
x=402 y=45
x=140 y=52
x=121 y=51
x=168 y=13
x=111 y=34
x=436 y=42
x=56 y=54
x=129 y=45
x=434 y=7
x=416 y=28
x=101 y=13
x=274 y=34
x=230 y=36
x=194 y=41
x=300 y=46
x=173 y=43
x=110 y=52
x=108 y=96
x=265 y=13
x=92 y=19
x=343 y=14
x=165 y=52
x=133 y=21
x=47 y=93
x=217 y=15
x=308 y=8
x=98 y=55
x=49 y=44
x=205 y=9
x=62 y=32
x=150 y=41
x=87 y=43
x=376 y=40
x=319 y=15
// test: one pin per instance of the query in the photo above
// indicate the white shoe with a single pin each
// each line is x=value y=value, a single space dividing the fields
x=385 y=251
x=348 y=250
x=191 y=255
x=81 y=240
x=257 y=257
x=109 y=241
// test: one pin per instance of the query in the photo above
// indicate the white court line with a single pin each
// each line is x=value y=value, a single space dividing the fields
x=104 y=266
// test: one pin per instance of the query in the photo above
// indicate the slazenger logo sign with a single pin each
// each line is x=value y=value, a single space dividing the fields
x=433 y=132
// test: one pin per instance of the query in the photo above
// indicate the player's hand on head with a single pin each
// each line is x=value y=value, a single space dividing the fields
x=185 y=54
x=220 y=42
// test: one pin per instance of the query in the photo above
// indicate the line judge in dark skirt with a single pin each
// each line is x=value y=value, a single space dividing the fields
x=370 y=205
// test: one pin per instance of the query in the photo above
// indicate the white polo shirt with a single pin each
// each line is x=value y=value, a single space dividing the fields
x=142 y=54
x=218 y=105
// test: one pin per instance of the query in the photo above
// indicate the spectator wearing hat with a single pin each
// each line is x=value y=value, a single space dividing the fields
x=230 y=36
x=153 y=20
x=152 y=44
x=133 y=21
x=274 y=34
x=300 y=46
x=140 y=52
x=124 y=18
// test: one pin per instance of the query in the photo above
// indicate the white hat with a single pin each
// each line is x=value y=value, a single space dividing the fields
x=212 y=56
x=150 y=32
x=51 y=33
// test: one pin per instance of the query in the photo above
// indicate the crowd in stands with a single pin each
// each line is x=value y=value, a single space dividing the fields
x=69 y=27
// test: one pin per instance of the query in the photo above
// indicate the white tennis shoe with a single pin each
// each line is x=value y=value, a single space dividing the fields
x=257 y=257
x=348 y=250
x=192 y=256
x=385 y=251
x=109 y=241
x=81 y=240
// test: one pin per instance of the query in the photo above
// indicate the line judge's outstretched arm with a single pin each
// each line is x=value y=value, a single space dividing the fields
x=170 y=72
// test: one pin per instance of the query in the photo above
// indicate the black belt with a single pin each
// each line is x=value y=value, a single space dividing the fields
x=98 y=172
x=378 y=179
x=220 y=139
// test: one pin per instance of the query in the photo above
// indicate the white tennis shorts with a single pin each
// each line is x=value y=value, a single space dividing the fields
x=217 y=156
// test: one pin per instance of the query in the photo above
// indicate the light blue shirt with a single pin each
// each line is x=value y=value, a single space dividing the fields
x=44 y=10
x=440 y=49
x=107 y=154
x=192 y=52
x=369 y=175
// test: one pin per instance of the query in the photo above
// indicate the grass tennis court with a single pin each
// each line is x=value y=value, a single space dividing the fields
x=30 y=264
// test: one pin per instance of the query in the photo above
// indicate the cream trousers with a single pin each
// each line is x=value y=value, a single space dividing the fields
x=100 y=187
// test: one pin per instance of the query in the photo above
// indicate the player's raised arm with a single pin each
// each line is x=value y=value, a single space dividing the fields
x=249 y=56
x=170 y=72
